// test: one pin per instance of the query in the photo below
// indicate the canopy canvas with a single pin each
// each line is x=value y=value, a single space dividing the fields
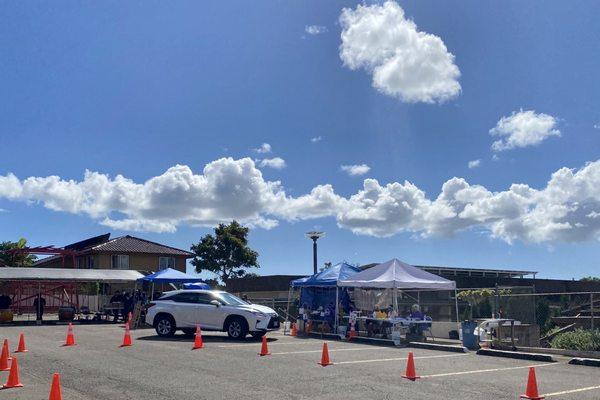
x=328 y=277
x=68 y=275
x=169 y=275
x=395 y=274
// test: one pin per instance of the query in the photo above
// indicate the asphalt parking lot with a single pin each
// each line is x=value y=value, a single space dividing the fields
x=155 y=368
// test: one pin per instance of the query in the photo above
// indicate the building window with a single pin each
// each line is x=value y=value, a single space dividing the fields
x=120 y=262
x=90 y=262
x=166 y=262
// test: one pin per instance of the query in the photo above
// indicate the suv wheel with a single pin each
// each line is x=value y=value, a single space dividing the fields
x=237 y=328
x=164 y=325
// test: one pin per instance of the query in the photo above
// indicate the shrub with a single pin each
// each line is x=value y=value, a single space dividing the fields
x=583 y=340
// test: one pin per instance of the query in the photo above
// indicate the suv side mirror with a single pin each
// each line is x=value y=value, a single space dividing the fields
x=215 y=303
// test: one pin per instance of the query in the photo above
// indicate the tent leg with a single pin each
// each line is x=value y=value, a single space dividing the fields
x=395 y=302
x=337 y=301
x=152 y=293
x=456 y=307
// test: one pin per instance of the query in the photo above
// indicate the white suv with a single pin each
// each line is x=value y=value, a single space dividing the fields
x=213 y=310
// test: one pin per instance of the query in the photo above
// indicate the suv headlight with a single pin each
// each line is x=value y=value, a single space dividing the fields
x=257 y=313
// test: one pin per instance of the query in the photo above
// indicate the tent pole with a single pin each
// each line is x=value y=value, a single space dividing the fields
x=395 y=302
x=335 y=323
x=456 y=307
x=152 y=293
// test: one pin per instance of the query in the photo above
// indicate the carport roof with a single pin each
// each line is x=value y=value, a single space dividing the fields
x=68 y=275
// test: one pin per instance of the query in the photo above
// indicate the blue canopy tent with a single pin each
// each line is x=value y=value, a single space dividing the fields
x=314 y=289
x=328 y=277
x=169 y=275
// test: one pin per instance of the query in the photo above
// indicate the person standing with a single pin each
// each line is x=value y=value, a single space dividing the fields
x=39 y=303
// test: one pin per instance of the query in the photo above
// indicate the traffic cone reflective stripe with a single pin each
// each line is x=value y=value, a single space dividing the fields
x=55 y=392
x=264 y=349
x=13 y=380
x=4 y=357
x=70 y=336
x=198 y=343
x=126 y=337
x=325 y=356
x=532 y=389
x=410 y=368
x=21 y=347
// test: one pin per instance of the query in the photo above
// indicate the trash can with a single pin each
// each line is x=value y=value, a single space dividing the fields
x=469 y=339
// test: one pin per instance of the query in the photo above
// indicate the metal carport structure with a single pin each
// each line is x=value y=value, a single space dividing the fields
x=60 y=284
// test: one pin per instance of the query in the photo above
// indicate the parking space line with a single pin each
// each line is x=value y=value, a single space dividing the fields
x=399 y=359
x=479 y=371
x=257 y=344
x=585 y=389
x=320 y=350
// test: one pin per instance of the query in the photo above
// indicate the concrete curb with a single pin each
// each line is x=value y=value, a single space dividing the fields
x=516 y=354
x=588 y=362
x=439 y=347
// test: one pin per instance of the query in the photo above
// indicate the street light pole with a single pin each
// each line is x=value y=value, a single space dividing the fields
x=314 y=236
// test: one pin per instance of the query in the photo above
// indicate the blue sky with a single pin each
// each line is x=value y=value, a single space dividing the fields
x=136 y=88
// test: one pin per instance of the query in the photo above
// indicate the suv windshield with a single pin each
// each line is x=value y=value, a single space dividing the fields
x=230 y=299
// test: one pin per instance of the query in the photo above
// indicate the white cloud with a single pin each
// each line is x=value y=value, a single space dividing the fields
x=474 y=163
x=355 y=170
x=275 y=162
x=597 y=126
x=567 y=209
x=523 y=129
x=263 y=149
x=316 y=139
x=405 y=63
x=2 y=210
x=315 y=29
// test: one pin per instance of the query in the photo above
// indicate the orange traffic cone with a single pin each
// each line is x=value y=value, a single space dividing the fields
x=55 y=392
x=264 y=349
x=352 y=333
x=70 y=337
x=5 y=344
x=532 y=390
x=198 y=343
x=126 y=337
x=21 y=348
x=325 y=356
x=13 y=380
x=294 y=331
x=4 y=357
x=410 y=368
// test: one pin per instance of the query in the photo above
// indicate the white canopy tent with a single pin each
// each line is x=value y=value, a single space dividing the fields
x=397 y=275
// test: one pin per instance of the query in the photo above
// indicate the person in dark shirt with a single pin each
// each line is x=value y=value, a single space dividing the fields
x=117 y=297
x=5 y=302
x=39 y=303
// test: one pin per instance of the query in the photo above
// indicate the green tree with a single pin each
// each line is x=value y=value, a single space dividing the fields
x=226 y=253
x=543 y=314
x=590 y=279
x=9 y=259
x=478 y=300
